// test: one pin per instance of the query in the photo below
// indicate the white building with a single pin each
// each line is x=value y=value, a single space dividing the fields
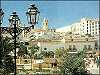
x=85 y=26
x=79 y=43
x=89 y=26
x=70 y=42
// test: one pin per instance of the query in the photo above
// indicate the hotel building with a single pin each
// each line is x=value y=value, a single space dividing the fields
x=85 y=26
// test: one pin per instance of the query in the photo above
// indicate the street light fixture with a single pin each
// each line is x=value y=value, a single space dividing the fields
x=33 y=15
x=14 y=31
x=14 y=18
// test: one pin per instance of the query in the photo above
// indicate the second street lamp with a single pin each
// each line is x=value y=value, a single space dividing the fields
x=33 y=15
x=14 y=21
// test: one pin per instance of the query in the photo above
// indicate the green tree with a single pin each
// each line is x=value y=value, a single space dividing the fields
x=33 y=50
x=22 y=50
x=51 y=54
x=58 y=52
x=47 y=54
x=44 y=53
x=73 y=64
x=6 y=60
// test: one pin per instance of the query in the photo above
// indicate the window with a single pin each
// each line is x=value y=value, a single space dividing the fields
x=90 y=29
x=25 y=61
x=87 y=31
x=95 y=26
x=93 y=32
x=96 y=29
x=93 y=23
x=71 y=39
x=89 y=47
x=87 y=24
x=99 y=22
x=85 y=47
x=99 y=27
x=18 y=37
x=92 y=26
x=87 y=27
x=45 y=48
x=70 y=47
x=86 y=39
x=96 y=32
x=87 y=21
x=39 y=33
x=74 y=48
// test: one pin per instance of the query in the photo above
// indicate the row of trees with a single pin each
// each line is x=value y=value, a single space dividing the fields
x=7 y=60
x=33 y=52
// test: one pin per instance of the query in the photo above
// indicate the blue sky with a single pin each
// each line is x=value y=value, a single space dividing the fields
x=58 y=13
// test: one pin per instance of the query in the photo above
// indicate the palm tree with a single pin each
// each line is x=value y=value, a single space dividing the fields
x=33 y=50
x=6 y=60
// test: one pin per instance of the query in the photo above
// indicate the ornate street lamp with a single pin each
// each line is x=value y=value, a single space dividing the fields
x=14 y=31
x=33 y=15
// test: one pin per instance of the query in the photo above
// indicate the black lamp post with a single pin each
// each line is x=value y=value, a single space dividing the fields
x=14 y=22
x=14 y=30
x=33 y=15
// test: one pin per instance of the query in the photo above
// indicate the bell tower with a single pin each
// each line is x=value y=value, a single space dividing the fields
x=45 y=24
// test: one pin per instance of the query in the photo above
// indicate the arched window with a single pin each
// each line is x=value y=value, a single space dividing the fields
x=85 y=47
x=74 y=48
